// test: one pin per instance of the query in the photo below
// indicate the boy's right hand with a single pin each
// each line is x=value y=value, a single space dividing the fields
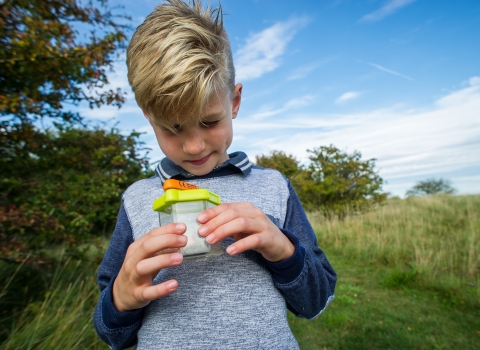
x=133 y=287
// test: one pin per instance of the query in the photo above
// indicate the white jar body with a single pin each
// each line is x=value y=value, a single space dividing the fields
x=187 y=212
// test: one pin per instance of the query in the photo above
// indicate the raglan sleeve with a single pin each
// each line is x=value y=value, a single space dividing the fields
x=117 y=329
x=306 y=279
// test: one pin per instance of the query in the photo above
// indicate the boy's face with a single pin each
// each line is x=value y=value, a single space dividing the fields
x=199 y=148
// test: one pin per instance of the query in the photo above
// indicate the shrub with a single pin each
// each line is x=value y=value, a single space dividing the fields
x=334 y=182
x=63 y=184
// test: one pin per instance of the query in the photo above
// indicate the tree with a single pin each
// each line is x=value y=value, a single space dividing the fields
x=334 y=182
x=44 y=62
x=288 y=165
x=59 y=184
x=343 y=182
x=63 y=185
x=430 y=187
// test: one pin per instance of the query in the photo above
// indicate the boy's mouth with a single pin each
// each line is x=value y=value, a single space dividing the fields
x=199 y=161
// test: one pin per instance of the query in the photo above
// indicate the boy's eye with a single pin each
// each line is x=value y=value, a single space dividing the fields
x=176 y=128
x=210 y=124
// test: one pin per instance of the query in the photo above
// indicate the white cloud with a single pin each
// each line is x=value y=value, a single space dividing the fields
x=474 y=81
x=109 y=112
x=262 y=51
x=350 y=95
x=289 y=105
x=443 y=138
x=389 y=8
x=118 y=78
x=303 y=72
x=389 y=71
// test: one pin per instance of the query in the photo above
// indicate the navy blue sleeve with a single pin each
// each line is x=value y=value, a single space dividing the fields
x=306 y=279
x=117 y=329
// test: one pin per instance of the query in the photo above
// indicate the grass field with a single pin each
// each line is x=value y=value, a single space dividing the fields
x=408 y=279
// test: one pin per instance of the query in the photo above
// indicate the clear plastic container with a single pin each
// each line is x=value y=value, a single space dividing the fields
x=184 y=206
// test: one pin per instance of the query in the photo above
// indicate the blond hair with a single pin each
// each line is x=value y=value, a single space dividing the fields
x=177 y=58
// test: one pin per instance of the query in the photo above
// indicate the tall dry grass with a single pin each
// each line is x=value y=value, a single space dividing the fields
x=63 y=319
x=437 y=237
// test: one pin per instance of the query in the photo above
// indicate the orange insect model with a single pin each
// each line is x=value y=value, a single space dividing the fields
x=178 y=185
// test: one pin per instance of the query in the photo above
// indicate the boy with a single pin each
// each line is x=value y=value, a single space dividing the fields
x=181 y=70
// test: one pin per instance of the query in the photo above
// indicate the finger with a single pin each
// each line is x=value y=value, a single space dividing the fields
x=253 y=242
x=273 y=247
x=227 y=214
x=149 y=248
x=173 y=228
x=168 y=251
x=159 y=290
x=155 y=264
x=239 y=225
x=210 y=213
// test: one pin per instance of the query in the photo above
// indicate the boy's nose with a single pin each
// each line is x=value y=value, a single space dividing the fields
x=193 y=142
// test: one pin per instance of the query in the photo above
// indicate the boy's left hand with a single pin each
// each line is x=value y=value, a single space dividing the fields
x=249 y=226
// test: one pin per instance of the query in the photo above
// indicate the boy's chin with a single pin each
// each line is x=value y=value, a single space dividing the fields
x=199 y=171
x=205 y=168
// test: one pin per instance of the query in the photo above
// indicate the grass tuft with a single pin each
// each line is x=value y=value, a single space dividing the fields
x=397 y=278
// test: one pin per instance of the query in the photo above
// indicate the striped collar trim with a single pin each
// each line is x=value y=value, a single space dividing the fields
x=167 y=169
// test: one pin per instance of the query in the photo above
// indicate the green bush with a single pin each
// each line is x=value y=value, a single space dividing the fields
x=63 y=184
x=335 y=183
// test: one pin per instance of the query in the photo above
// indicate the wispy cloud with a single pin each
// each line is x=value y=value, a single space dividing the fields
x=303 y=72
x=350 y=95
x=389 y=71
x=389 y=8
x=262 y=51
x=289 y=105
x=110 y=113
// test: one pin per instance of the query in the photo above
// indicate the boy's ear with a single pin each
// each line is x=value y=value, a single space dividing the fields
x=145 y=114
x=237 y=99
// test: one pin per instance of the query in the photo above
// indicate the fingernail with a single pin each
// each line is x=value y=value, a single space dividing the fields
x=172 y=285
x=177 y=257
x=180 y=227
x=182 y=239
x=201 y=217
x=211 y=238
x=202 y=230
x=231 y=249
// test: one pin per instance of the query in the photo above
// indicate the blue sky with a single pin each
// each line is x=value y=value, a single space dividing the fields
x=397 y=80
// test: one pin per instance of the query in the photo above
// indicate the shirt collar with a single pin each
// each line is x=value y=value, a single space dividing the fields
x=167 y=169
